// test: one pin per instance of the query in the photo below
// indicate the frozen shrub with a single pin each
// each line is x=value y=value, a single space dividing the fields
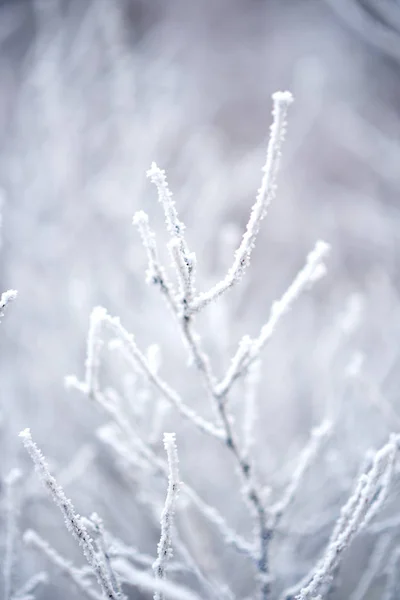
x=115 y=566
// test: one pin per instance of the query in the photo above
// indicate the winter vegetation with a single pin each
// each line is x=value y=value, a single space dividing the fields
x=231 y=431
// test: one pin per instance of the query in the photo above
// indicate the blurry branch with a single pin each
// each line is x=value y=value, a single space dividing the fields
x=250 y=381
x=77 y=466
x=370 y=492
x=374 y=396
x=382 y=37
x=371 y=144
x=103 y=550
x=69 y=571
x=127 y=572
x=12 y=18
x=186 y=563
x=307 y=456
x=392 y=587
x=212 y=588
x=12 y=531
x=156 y=274
x=146 y=582
x=373 y=569
x=385 y=526
x=100 y=560
x=26 y=592
x=389 y=12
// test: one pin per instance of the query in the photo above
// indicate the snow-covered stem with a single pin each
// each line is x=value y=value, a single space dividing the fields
x=28 y=589
x=11 y=532
x=78 y=465
x=387 y=525
x=211 y=588
x=214 y=517
x=69 y=571
x=94 y=345
x=131 y=436
x=131 y=553
x=249 y=350
x=5 y=299
x=373 y=569
x=158 y=177
x=211 y=514
x=185 y=261
x=309 y=453
x=266 y=193
x=104 y=551
x=140 y=360
x=392 y=587
x=72 y=520
x=186 y=561
x=199 y=356
x=156 y=273
x=160 y=412
x=252 y=491
x=146 y=582
x=164 y=548
x=369 y=494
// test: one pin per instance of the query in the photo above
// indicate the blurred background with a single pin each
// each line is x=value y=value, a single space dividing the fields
x=91 y=92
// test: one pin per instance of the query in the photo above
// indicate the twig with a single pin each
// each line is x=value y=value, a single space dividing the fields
x=72 y=520
x=164 y=549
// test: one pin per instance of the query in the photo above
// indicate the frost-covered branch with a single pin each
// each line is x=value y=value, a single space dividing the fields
x=164 y=549
x=309 y=453
x=72 y=520
x=266 y=194
x=103 y=549
x=251 y=381
x=211 y=514
x=155 y=273
x=100 y=316
x=179 y=307
x=185 y=261
x=93 y=349
x=370 y=492
x=146 y=582
x=250 y=349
